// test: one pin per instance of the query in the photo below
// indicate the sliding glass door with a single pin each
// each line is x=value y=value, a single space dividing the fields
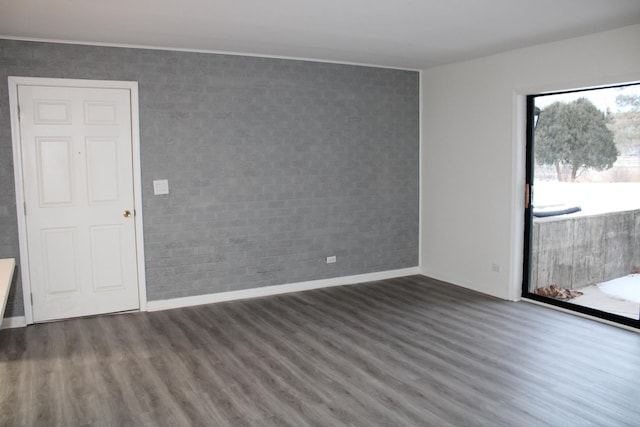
x=582 y=219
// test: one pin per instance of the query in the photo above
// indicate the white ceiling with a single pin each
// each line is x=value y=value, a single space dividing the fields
x=411 y=34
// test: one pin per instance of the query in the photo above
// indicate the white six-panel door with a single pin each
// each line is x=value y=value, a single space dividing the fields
x=76 y=148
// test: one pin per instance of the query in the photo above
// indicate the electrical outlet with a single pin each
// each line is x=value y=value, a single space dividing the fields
x=496 y=268
x=331 y=259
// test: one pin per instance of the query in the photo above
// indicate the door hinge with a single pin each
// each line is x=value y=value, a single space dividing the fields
x=19 y=118
x=527 y=196
x=31 y=295
x=25 y=208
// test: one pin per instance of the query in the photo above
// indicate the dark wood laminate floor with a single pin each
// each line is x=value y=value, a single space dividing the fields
x=401 y=352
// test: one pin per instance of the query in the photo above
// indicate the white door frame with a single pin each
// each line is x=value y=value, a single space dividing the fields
x=18 y=174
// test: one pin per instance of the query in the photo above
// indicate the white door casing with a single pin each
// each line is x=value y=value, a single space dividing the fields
x=77 y=174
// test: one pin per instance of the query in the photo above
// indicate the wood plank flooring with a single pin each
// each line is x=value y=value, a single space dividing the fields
x=400 y=352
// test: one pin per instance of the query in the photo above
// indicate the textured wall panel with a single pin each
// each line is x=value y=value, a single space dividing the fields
x=273 y=164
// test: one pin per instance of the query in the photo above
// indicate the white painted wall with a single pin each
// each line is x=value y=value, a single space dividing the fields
x=473 y=148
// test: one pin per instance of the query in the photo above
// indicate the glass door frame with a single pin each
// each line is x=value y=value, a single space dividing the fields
x=528 y=223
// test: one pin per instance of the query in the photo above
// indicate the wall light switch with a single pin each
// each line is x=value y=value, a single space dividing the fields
x=160 y=186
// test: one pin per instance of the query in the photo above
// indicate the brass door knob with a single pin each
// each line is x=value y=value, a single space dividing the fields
x=126 y=213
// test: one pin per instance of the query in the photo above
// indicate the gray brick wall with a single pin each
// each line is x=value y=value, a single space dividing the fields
x=272 y=164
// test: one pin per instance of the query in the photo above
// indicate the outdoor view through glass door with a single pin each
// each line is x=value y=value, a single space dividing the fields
x=582 y=238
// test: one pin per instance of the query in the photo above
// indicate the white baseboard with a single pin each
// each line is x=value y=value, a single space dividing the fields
x=471 y=285
x=13 y=322
x=277 y=289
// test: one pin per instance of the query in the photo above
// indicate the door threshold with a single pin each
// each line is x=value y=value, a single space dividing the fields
x=88 y=316
x=579 y=314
